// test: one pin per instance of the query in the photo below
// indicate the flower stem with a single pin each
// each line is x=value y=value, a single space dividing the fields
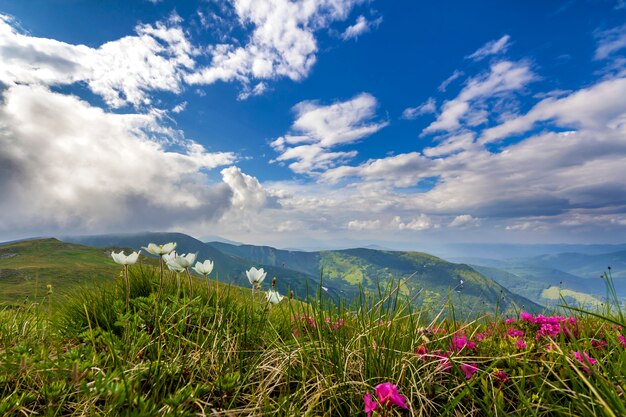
x=127 y=286
x=190 y=284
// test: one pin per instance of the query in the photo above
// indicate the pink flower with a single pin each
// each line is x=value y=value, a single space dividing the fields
x=369 y=404
x=598 y=344
x=421 y=350
x=501 y=376
x=444 y=361
x=513 y=332
x=468 y=369
x=388 y=395
x=521 y=344
x=585 y=359
x=622 y=340
x=458 y=343
x=526 y=316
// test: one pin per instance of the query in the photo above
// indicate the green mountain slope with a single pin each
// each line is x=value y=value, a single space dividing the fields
x=27 y=267
x=428 y=279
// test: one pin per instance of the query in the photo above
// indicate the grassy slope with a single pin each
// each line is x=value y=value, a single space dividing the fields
x=225 y=353
x=27 y=267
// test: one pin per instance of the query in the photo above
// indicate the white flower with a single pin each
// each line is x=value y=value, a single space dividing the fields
x=183 y=261
x=122 y=259
x=160 y=250
x=174 y=266
x=204 y=268
x=255 y=276
x=273 y=297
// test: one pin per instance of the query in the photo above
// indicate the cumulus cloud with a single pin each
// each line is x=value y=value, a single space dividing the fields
x=282 y=42
x=503 y=78
x=122 y=72
x=319 y=128
x=429 y=106
x=464 y=220
x=421 y=222
x=72 y=167
x=494 y=47
x=361 y=26
x=248 y=193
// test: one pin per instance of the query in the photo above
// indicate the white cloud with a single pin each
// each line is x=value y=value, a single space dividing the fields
x=282 y=42
x=67 y=166
x=464 y=220
x=610 y=41
x=503 y=78
x=363 y=225
x=421 y=222
x=444 y=85
x=429 y=106
x=180 y=107
x=123 y=71
x=495 y=47
x=248 y=193
x=361 y=26
x=597 y=107
x=319 y=128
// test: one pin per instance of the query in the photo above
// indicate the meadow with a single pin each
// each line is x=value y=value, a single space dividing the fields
x=224 y=350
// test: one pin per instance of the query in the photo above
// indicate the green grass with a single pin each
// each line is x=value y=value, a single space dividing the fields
x=226 y=352
x=28 y=267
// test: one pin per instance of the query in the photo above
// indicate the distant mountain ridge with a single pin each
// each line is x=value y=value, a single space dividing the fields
x=428 y=280
x=428 y=277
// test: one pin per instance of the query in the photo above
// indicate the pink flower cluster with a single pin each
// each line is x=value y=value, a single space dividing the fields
x=461 y=342
x=309 y=323
x=585 y=360
x=387 y=395
x=551 y=326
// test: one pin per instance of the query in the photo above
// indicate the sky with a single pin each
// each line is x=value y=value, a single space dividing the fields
x=315 y=122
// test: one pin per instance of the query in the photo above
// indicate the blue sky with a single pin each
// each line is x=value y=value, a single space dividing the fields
x=317 y=122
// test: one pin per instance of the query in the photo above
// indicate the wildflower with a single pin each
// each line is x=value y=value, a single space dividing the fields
x=388 y=395
x=513 y=332
x=204 y=268
x=369 y=404
x=468 y=369
x=584 y=358
x=273 y=297
x=180 y=263
x=160 y=250
x=444 y=361
x=521 y=344
x=524 y=316
x=501 y=376
x=622 y=340
x=421 y=350
x=122 y=259
x=458 y=343
x=255 y=276
x=598 y=344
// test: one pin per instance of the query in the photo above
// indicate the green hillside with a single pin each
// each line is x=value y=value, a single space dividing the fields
x=425 y=278
x=27 y=267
